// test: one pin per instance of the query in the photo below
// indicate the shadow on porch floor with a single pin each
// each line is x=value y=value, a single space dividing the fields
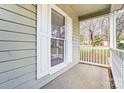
x=81 y=76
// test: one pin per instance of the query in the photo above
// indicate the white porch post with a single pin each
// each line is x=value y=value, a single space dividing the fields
x=112 y=34
x=112 y=30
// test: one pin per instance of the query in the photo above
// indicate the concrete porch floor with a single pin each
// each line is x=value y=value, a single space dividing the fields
x=81 y=76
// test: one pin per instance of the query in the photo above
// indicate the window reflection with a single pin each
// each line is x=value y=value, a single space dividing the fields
x=57 y=51
x=58 y=25
x=57 y=38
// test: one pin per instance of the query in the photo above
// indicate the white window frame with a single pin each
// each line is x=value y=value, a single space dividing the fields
x=63 y=64
x=44 y=33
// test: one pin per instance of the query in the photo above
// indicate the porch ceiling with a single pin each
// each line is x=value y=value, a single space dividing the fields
x=85 y=11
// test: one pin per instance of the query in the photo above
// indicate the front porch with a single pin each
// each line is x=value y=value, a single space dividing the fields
x=41 y=46
x=96 y=55
x=82 y=76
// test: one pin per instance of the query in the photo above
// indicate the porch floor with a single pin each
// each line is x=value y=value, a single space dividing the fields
x=81 y=76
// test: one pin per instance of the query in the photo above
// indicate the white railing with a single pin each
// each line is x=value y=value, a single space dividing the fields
x=95 y=55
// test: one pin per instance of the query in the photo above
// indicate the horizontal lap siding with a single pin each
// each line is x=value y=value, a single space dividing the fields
x=10 y=36
x=17 y=45
x=19 y=10
x=15 y=55
x=11 y=17
x=13 y=27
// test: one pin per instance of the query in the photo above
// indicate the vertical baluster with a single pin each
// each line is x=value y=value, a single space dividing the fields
x=83 y=55
x=80 y=53
x=107 y=57
x=91 y=55
x=88 y=54
x=99 y=56
x=95 y=55
x=103 y=55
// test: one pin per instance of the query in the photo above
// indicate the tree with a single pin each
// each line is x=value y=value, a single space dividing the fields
x=119 y=25
x=120 y=29
x=96 y=29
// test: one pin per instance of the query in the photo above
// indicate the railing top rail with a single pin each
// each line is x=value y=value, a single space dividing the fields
x=119 y=50
x=91 y=47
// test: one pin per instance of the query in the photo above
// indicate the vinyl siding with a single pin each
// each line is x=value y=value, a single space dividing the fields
x=18 y=46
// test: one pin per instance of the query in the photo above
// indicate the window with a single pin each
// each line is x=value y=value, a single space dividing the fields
x=57 y=37
x=54 y=39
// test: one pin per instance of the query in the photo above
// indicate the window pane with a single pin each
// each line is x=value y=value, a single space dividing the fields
x=57 y=51
x=58 y=25
x=120 y=30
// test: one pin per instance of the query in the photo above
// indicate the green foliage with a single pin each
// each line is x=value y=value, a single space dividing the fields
x=120 y=46
x=97 y=40
x=121 y=37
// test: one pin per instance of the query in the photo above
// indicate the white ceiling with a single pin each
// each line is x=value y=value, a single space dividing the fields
x=84 y=9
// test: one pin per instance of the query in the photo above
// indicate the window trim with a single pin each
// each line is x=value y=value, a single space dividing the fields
x=44 y=30
x=42 y=33
x=63 y=64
